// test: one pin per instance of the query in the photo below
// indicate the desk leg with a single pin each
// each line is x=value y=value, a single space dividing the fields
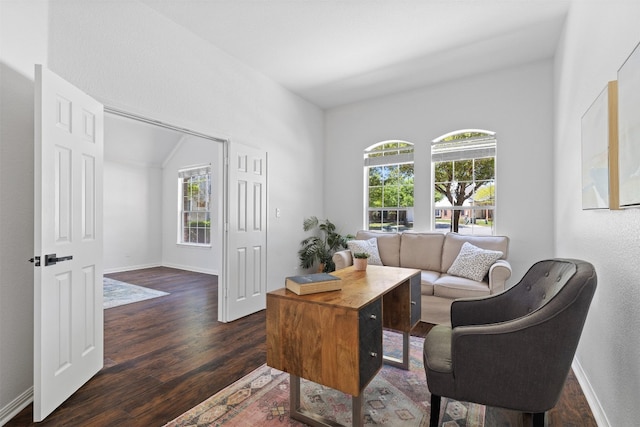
x=356 y=412
x=315 y=420
x=404 y=362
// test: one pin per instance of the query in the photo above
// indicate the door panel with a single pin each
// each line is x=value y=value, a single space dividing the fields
x=68 y=313
x=245 y=276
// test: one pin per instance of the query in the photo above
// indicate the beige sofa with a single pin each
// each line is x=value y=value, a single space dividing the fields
x=434 y=253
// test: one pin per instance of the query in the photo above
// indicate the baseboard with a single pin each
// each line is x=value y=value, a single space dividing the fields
x=17 y=405
x=191 y=268
x=170 y=265
x=130 y=268
x=592 y=399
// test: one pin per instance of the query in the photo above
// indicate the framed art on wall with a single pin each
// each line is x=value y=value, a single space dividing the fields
x=600 y=151
x=629 y=130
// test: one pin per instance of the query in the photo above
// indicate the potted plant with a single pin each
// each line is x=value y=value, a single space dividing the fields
x=319 y=248
x=360 y=260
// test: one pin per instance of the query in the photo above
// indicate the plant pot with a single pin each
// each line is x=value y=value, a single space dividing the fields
x=360 y=264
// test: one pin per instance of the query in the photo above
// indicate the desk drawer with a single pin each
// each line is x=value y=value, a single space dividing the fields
x=370 y=318
x=416 y=300
x=370 y=341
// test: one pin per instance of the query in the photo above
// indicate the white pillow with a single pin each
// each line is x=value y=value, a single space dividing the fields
x=473 y=262
x=369 y=246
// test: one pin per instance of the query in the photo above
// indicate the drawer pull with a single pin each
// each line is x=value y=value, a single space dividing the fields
x=373 y=354
x=373 y=317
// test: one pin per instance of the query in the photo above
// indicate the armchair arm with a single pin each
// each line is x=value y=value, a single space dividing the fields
x=342 y=259
x=476 y=311
x=499 y=273
x=489 y=309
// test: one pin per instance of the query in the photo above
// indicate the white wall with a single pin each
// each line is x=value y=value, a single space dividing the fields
x=516 y=103
x=134 y=59
x=132 y=216
x=598 y=38
x=140 y=212
x=193 y=151
x=23 y=29
x=131 y=58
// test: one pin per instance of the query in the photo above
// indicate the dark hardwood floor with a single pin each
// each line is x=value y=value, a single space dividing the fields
x=166 y=355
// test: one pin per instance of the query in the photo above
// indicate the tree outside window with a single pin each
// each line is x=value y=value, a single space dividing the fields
x=195 y=213
x=389 y=168
x=464 y=182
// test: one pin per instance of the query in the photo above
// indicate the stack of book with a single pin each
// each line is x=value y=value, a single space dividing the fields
x=313 y=283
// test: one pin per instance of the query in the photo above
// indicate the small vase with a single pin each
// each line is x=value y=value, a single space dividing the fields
x=360 y=264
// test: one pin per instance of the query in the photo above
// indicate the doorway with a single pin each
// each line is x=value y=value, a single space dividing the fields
x=141 y=201
x=68 y=190
x=237 y=253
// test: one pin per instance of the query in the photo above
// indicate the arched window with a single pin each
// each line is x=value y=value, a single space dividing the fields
x=389 y=186
x=464 y=176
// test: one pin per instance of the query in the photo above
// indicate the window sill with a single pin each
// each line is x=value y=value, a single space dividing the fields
x=194 y=245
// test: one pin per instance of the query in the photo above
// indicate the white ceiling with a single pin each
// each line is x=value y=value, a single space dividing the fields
x=137 y=143
x=334 y=52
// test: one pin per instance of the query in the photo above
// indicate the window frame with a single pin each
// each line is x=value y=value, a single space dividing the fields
x=455 y=147
x=201 y=215
x=377 y=157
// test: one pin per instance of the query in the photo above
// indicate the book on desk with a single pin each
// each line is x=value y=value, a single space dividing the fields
x=313 y=283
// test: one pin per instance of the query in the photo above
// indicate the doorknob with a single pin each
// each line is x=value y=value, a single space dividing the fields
x=52 y=260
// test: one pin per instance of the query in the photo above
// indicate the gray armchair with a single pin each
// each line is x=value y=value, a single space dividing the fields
x=514 y=349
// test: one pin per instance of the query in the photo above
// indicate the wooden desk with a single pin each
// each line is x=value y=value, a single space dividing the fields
x=335 y=338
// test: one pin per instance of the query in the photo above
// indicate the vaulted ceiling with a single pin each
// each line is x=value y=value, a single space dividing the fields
x=137 y=143
x=334 y=52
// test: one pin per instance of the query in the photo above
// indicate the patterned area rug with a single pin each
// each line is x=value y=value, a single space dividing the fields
x=395 y=397
x=116 y=293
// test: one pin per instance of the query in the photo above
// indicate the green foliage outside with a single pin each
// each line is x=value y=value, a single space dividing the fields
x=461 y=180
x=485 y=195
x=391 y=186
x=464 y=136
x=200 y=224
x=193 y=190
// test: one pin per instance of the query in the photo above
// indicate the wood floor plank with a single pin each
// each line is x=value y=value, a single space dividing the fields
x=165 y=355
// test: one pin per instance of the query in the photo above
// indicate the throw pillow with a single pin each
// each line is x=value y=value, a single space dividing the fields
x=473 y=262
x=369 y=246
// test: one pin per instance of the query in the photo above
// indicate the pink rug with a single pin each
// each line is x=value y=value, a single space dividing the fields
x=395 y=397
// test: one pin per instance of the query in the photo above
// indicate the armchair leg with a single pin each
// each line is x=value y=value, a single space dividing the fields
x=538 y=419
x=435 y=411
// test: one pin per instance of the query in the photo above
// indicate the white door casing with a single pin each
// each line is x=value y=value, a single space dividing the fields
x=245 y=251
x=68 y=312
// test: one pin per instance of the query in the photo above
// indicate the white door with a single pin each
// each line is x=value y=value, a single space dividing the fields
x=245 y=252
x=68 y=313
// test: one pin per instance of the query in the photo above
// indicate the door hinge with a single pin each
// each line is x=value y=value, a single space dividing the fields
x=35 y=260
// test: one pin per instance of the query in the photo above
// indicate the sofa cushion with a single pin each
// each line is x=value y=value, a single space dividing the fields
x=427 y=279
x=453 y=243
x=388 y=245
x=459 y=287
x=369 y=246
x=473 y=262
x=421 y=250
